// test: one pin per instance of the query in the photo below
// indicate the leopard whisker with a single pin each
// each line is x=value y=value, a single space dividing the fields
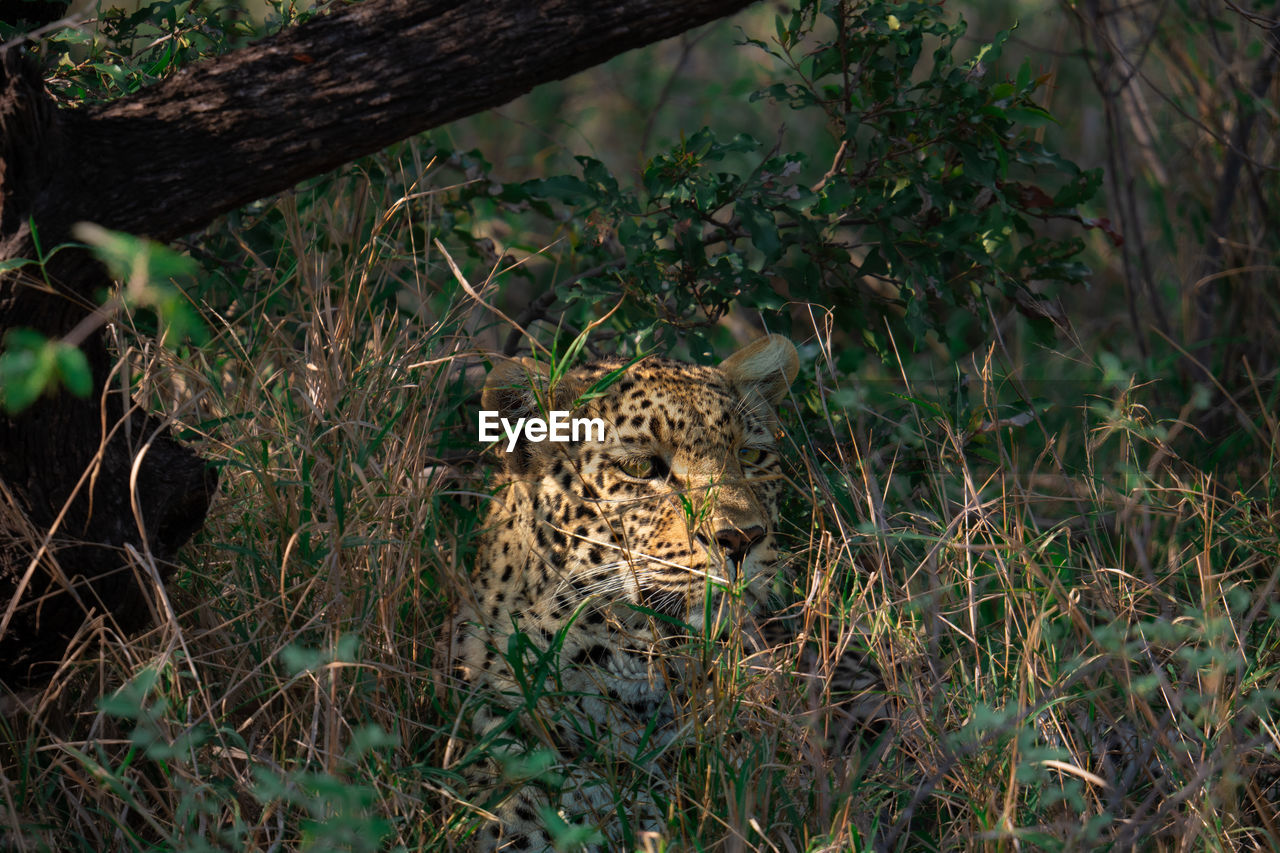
x=613 y=581
x=639 y=556
x=604 y=585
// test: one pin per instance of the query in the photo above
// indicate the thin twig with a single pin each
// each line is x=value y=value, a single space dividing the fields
x=537 y=309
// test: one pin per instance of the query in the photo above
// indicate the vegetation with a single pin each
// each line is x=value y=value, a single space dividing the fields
x=1056 y=531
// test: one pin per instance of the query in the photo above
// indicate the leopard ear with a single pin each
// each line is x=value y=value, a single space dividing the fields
x=509 y=389
x=769 y=365
x=521 y=388
x=516 y=389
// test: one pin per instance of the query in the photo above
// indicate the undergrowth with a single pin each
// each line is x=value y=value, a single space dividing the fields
x=1077 y=626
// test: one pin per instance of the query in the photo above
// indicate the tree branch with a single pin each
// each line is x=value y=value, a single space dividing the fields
x=222 y=133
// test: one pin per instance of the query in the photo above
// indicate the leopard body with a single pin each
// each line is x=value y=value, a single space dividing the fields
x=597 y=557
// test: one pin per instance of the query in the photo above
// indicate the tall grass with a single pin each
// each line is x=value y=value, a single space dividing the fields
x=1076 y=626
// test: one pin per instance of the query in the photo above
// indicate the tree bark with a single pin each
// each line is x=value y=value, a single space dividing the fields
x=85 y=482
x=257 y=121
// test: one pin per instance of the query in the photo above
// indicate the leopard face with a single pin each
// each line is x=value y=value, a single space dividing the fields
x=606 y=549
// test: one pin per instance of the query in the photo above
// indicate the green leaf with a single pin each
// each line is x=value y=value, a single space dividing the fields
x=145 y=267
x=128 y=257
x=298 y=659
x=566 y=188
x=1030 y=116
x=129 y=701
x=367 y=738
x=762 y=228
x=73 y=369
x=28 y=367
x=14 y=264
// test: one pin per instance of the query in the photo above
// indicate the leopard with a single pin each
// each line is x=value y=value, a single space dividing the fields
x=595 y=557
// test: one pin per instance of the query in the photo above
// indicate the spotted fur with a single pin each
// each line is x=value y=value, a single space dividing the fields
x=596 y=557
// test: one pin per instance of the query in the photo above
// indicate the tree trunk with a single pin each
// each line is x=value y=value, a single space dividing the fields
x=85 y=482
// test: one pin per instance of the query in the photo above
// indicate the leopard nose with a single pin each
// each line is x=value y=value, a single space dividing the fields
x=736 y=543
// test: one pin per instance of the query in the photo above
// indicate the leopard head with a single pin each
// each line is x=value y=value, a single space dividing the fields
x=678 y=497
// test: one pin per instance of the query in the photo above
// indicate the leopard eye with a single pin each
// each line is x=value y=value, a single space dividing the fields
x=640 y=467
x=751 y=455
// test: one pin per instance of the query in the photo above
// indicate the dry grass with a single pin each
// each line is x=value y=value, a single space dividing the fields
x=1076 y=626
